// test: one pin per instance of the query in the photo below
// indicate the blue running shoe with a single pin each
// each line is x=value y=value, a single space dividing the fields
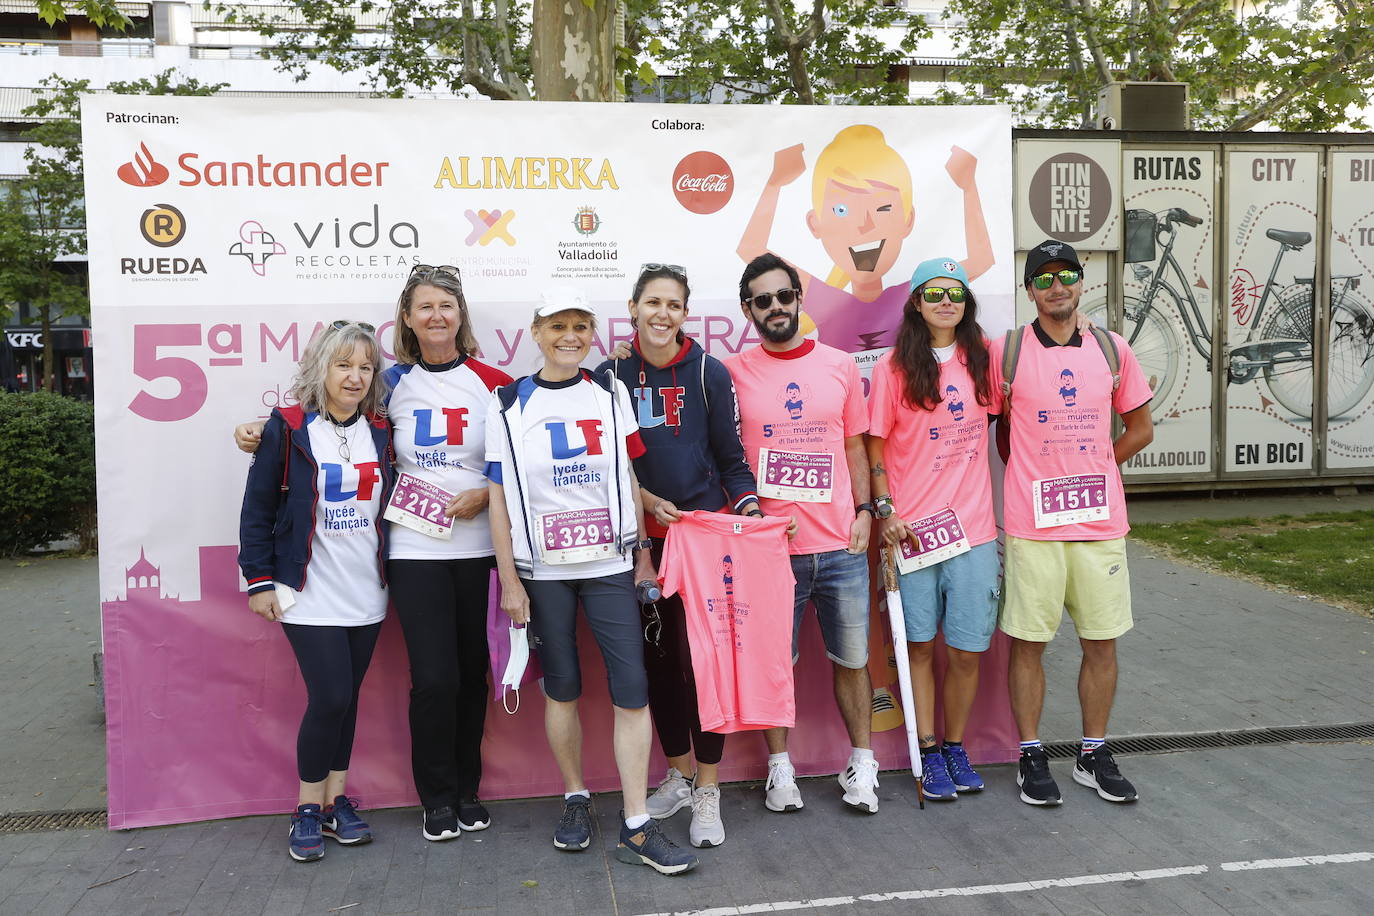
x=960 y=770
x=341 y=822
x=574 y=831
x=307 y=842
x=935 y=781
x=649 y=845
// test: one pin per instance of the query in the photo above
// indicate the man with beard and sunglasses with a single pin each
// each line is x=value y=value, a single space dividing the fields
x=1064 y=511
x=802 y=421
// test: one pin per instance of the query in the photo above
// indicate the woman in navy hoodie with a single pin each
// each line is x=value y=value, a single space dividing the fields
x=693 y=460
x=311 y=545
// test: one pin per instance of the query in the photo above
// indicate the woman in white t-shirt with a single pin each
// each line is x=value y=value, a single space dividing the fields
x=567 y=525
x=311 y=546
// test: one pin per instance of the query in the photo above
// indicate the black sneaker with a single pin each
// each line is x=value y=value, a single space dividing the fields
x=1098 y=771
x=440 y=824
x=574 y=831
x=1033 y=776
x=648 y=845
x=472 y=814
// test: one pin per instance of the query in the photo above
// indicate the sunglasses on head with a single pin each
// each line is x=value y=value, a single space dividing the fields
x=933 y=294
x=764 y=300
x=1066 y=276
x=676 y=269
x=448 y=270
x=345 y=323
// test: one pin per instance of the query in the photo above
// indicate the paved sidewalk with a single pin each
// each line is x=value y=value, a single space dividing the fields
x=1208 y=653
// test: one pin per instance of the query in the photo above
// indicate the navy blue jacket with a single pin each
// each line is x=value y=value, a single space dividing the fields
x=689 y=423
x=276 y=530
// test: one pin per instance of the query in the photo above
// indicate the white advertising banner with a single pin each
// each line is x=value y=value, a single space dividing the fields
x=1350 y=333
x=1271 y=222
x=224 y=232
x=1069 y=190
x=1169 y=251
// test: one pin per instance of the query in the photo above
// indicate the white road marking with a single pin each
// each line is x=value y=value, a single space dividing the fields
x=981 y=890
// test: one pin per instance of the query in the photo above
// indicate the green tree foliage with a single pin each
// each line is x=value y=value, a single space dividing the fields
x=103 y=13
x=47 y=471
x=1305 y=66
x=43 y=223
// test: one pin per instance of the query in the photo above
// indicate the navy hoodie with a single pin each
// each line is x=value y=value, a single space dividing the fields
x=689 y=424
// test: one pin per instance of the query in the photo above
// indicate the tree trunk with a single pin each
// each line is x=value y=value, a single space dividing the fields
x=574 y=50
x=45 y=322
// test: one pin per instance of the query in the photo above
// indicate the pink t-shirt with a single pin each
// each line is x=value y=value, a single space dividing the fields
x=936 y=459
x=736 y=584
x=1061 y=427
x=800 y=405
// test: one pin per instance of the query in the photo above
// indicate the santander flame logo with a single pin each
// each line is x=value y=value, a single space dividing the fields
x=703 y=182
x=144 y=171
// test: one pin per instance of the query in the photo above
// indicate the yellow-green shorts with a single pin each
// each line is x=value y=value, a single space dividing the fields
x=1089 y=579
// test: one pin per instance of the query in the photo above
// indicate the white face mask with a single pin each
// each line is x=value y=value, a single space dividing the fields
x=515 y=667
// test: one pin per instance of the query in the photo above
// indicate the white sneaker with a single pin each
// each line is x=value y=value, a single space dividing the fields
x=672 y=795
x=706 y=829
x=858 y=780
x=781 y=792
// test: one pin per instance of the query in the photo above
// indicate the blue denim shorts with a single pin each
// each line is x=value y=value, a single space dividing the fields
x=959 y=596
x=837 y=583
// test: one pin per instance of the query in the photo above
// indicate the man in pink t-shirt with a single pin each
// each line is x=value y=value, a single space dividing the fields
x=1064 y=511
x=802 y=420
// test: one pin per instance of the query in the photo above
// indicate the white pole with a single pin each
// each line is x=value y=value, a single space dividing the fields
x=896 y=619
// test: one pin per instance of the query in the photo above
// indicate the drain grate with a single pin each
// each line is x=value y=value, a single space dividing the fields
x=1154 y=744
x=31 y=821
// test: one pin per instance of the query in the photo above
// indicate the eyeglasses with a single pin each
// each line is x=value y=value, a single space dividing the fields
x=784 y=297
x=653 y=628
x=933 y=294
x=1046 y=280
x=650 y=266
x=345 y=323
x=426 y=270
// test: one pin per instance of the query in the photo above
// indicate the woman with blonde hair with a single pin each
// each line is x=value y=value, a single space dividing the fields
x=311 y=544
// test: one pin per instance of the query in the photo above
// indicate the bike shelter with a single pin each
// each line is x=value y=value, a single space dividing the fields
x=1237 y=267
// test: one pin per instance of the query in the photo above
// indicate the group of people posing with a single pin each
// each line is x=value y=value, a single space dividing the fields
x=567 y=481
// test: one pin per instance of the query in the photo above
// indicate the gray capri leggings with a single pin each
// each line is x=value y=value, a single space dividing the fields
x=613 y=615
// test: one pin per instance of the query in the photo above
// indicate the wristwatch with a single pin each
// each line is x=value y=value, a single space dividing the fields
x=884 y=506
x=644 y=544
x=865 y=507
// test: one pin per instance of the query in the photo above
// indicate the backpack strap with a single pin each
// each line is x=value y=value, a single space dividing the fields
x=1107 y=344
x=1011 y=354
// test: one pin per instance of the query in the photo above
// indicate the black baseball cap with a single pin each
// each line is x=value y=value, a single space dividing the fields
x=1047 y=251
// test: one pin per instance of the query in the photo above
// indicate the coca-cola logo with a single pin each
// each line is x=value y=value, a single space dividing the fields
x=703 y=182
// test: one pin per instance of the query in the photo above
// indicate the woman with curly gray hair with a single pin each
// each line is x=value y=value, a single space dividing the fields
x=311 y=544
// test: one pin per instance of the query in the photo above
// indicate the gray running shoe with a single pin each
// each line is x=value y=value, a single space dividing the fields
x=671 y=796
x=706 y=829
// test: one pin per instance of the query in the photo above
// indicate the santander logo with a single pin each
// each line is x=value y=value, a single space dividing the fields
x=144 y=171
x=703 y=182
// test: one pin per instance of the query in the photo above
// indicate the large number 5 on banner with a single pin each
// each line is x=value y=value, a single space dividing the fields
x=193 y=386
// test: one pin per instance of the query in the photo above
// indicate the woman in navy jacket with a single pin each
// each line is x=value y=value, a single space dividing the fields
x=311 y=546
x=693 y=459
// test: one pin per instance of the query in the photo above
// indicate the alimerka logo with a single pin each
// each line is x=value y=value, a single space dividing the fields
x=143 y=171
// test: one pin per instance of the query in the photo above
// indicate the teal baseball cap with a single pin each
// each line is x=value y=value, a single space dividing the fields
x=937 y=267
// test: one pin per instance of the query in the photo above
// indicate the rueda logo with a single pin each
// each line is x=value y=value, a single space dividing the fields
x=703 y=182
x=162 y=225
x=143 y=171
x=257 y=245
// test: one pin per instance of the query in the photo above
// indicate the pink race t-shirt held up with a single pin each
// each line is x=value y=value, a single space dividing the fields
x=936 y=459
x=1061 y=410
x=735 y=578
x=800 y=405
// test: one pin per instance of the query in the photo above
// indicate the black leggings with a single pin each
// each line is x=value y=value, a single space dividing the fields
x=442 y=606
x=672 y=686
x=333 y=661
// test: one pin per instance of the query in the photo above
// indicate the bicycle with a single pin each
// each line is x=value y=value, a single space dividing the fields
x=1280 y=347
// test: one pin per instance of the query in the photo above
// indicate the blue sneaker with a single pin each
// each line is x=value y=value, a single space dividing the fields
x=960 y=770
x=574 y=831
x=935 y=781
x=649 y=845
x=307 y=842
x=341 y=822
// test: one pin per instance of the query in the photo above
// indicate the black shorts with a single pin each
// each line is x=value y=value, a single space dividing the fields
x=612 y=613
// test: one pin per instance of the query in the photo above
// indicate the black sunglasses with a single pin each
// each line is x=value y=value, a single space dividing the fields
x=649 y=266
x=448 y=270
x=784 y=297
x=1067 y=276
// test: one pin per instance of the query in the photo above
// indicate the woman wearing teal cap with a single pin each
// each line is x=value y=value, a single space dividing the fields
x=931 y=398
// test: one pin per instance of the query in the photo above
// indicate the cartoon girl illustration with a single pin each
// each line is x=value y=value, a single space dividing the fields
x=862 y=211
